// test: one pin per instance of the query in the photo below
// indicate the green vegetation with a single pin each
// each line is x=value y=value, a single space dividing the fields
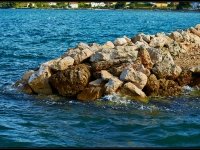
x=183 y=5
x=84 y=5
x=134 y=5
x=7 y=4
x=120 y=5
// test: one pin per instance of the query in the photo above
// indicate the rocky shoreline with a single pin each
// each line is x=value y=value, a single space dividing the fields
x=137 y=67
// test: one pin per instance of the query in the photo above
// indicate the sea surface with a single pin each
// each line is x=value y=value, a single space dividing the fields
x=31 y=37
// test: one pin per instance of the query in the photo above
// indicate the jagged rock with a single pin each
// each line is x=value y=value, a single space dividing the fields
x=137 y=78
x=84 y=54
x=152 y=86
x=117 y=70
x=176 y=36
x=145 y=58
x=113 y=84
x=158 y=42
x=155 y=55
x=97 y=82
x=71 y=81
x=105 y=75
x=39 y=80
x=174 y=48
x=103 y=65
x=95 y=47
x=141 y=37
x=103 y=55
x=125 y=52
x=185 y=37
x=194 y=31
x=132 y=90
x=142 y=44
x=166 y=68
x=129 y=42
x=197 y=27
x=22 y=84
x=65 y=63
x=52 y=64
x=27 y=75
x=120 y=41
x=195 y=69
x=142 y=69
x=91 y=94
x=83 y=46
x=79 y=54
x=169 y=88
x=185 y=77
x=108 y=45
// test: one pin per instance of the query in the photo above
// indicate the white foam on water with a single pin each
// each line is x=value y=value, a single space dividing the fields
x=116 y=99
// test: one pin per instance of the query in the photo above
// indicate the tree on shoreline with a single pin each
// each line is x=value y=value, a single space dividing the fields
x=183 y=5
x=7 y=4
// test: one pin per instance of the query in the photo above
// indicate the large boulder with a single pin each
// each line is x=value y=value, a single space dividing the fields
x=131 y=90
x=136 y=77
x=39 y=80
x=113 y=84
x=167 y=68
x=71 y=81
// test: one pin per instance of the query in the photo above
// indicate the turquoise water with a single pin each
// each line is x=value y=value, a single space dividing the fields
x=31 y=37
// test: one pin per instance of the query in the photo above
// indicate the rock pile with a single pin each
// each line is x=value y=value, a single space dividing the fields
x=145 y=65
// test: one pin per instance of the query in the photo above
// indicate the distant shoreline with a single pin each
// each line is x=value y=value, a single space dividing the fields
x=183 y=10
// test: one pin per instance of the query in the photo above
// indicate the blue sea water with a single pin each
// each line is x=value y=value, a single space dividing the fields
x=31 y=37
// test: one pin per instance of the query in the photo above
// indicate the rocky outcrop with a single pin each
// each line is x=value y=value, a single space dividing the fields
x=141 y=66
